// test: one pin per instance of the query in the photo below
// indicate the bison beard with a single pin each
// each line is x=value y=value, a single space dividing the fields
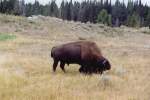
x=97 y=67
x=84 y=53
x=90 y=70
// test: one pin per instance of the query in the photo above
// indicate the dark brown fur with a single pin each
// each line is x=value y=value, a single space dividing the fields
x=85 y=53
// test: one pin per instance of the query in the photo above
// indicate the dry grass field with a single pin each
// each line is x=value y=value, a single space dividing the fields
x=26 y=65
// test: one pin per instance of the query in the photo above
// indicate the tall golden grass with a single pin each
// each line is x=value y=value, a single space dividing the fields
x=26 y=65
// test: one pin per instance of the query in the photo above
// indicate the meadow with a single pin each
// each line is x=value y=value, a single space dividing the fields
x=26 y=65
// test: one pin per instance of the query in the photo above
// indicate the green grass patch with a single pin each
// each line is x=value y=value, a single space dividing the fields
x=4 y=37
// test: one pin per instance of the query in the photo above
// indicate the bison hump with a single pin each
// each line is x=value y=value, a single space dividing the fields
x=90 y=51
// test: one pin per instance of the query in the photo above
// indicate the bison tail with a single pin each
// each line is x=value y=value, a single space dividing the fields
x=52 y=52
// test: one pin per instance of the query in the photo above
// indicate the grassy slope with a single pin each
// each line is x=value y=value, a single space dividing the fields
x=26 y=66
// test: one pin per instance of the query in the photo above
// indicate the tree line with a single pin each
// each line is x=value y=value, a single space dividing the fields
x=132 y=14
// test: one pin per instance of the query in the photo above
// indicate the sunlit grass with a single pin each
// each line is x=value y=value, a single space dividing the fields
x=26 y=68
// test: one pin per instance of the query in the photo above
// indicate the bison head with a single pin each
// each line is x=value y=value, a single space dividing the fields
x=104 y=64
x=98 y=67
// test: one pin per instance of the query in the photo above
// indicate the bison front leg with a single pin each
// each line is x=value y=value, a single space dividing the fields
x=55 y=65
x=81 y=70
x=62 y=64
x=101 y=72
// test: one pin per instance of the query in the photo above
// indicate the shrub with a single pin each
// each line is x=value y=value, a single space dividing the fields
x=104 y=18
x=133 y=20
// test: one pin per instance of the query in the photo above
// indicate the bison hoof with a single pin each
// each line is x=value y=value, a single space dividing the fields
x=81 y=70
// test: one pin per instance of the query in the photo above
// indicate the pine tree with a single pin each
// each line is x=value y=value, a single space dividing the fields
x=0 y=5
x=11 y=5
x=4 y=6
x=119 y=13
x=54 y=12
x=22 y=7
x=69 y=9
x=36 y=7
x=29 y=10
x=62 y=10
x=148 y=19
x=76 y=10
x=130 y=7
x=16 y=9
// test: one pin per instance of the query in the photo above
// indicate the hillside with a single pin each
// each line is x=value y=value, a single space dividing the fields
x=26 y=65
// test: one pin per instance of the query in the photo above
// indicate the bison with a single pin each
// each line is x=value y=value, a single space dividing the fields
x=85 y=53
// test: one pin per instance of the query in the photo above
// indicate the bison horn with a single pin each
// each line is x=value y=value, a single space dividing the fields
x=104 y=61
